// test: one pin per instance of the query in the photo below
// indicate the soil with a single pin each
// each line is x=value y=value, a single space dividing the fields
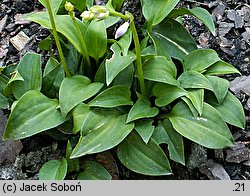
x=23 y=159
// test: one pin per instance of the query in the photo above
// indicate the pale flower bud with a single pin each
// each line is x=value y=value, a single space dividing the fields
x=103 y=15
x=87 y=15
x=69 y=7
x=121 y=30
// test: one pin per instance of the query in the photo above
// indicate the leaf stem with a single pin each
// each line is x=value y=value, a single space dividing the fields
x=59 y=48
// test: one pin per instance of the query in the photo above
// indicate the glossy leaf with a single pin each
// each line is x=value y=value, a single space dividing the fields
x=75 y=90
x=64 y=25
x=125 y=77
x=50 y=75
x=165 y=94
x=141 y=109
x=117 y=63
x=79 y=114
x=93 y=171
x=196 y=96
x=156 y=11
x=160 y=69
x=221 y=67
x=147 y=159
x=73 y=164
x=231 y=110
x=32 y=114
x=29 y=69
x=96 y=39
x=220 y=87
x=194 y=79
x=145 y=129
x=202 y=14
x=208 y=130
x=54 y=4
x=4 y=103
x=165 y=133
x=102 y=130
x=171 y=38
x=53 y=170
x=112 y=97
x=199 y=60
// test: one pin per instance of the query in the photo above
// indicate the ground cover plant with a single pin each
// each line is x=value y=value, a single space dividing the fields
x=121 y=91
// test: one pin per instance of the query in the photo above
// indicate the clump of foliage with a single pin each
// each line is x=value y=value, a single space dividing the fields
x=127 y=93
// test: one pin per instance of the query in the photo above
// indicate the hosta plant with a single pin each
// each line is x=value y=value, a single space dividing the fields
x=121 y=91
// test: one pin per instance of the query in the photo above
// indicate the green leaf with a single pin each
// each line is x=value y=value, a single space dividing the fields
x=165 y=133
x=145 y=129
x=73 y=164
x=29 y=70
x=208 y=130
x=102 y=130
x=220 y=87
x=141 y=109
x=4 y=103
x=96 y=39
x=194 y=79
x=112 y=97
x=51 y=71
x=64 y=25
x=171 y=38
x=147 y=159
x=202 y=14
x=231 y=110
x=221 y=67
x=53 y=170
x=165 y=94
x=79 y=114
x=199 y=60
x=125 y=77
x=32 y=114
x=54 y=4
x=156 y=11
x=75 y=90
x=196 y=97
x=93 y=171
x=117 y=63
x=160 y=69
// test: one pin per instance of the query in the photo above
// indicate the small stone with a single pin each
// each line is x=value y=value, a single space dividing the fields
x=238 y=153
x=197 y=157
x=247 y=163
x=20 y=20
x=219 y=154
x=219 y=11
x=224 y=28
x=3 y=23
x=241 y=85
x=247 y=106
x=214 y=171
x=19 y=41
x=246 y=60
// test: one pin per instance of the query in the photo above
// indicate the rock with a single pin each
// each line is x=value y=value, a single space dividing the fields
x=197 y=157
x=20 y=20
x=224 y=28
x=238 y=153
x=20 y=40
x=219 y=11
x=3 y=23
x=247 y=163
x=8 y=149
x=214 y=171
x=247 y=105
x=246 y=35
x=241 y=85
x=219 y=155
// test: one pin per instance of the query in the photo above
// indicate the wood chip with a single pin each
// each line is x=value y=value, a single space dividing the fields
x=19 y=41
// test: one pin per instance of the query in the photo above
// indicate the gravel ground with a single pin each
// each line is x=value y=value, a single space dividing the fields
x=232 y=42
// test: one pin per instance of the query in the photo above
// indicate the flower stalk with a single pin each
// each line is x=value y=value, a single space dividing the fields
x=129 y=17
x=59 y=48
x=70 y=8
